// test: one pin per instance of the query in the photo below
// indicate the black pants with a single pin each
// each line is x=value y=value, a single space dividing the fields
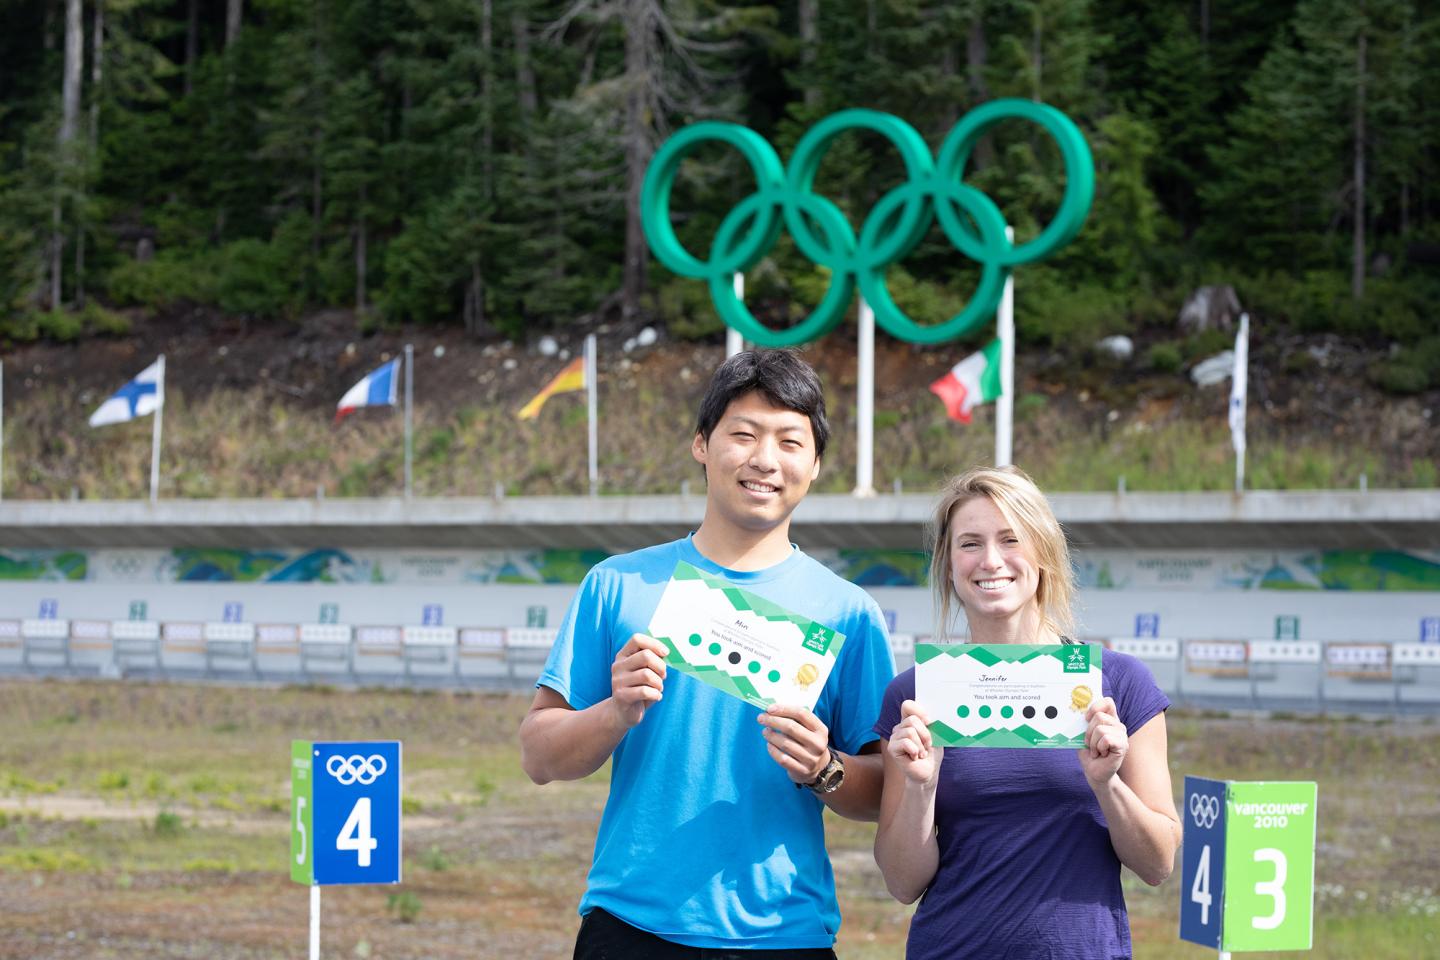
x=605 y=937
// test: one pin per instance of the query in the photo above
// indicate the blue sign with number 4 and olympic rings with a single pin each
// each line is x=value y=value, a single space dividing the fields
x=345 y=812
x=1202 y=873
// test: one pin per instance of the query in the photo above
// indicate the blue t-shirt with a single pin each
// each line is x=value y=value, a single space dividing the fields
x=705 y=841
x=1026 y=870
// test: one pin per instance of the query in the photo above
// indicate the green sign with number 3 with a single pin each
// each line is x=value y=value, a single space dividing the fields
x=1269 y=866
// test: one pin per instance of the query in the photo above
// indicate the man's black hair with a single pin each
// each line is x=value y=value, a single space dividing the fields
x=782 y=377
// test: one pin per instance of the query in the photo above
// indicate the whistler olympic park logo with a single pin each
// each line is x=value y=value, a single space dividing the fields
x=1204 y=810
x=898 y=222
x=356 y=769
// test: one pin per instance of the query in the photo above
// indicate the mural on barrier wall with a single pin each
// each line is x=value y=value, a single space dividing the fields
x=1379 y=570
x=43 y=565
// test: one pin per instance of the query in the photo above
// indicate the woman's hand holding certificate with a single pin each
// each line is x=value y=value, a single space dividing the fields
x=912 y=746
x=1106 y=742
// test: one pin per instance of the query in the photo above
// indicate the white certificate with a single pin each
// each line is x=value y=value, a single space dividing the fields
x=1007 y=694
x=742 y=643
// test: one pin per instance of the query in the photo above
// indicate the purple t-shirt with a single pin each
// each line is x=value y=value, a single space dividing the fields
x=1026 y=870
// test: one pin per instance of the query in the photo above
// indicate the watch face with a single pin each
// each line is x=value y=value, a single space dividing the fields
x=830 y=778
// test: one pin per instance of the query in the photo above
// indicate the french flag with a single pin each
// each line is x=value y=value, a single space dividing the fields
x=375 y=389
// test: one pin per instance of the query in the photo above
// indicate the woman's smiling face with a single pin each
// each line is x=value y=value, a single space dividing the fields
x=992 y=572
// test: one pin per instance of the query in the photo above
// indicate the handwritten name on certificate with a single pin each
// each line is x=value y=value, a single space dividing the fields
x=1007 y=694
x=742 y=643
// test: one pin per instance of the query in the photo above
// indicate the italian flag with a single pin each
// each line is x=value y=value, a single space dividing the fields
x=976 y=379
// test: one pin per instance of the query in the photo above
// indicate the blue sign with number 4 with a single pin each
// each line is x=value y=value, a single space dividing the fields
x=345 y=816
x=1202 y=873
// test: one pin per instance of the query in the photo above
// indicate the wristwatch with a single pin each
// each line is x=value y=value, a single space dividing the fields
x=830 y=778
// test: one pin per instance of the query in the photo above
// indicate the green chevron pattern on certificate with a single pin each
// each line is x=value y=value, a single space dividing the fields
x=743 y=644
x=1007 y=694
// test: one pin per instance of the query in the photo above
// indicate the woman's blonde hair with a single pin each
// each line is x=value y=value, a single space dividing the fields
x=1027 y=511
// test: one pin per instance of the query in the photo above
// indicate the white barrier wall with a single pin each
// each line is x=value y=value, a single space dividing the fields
x=1389 y=617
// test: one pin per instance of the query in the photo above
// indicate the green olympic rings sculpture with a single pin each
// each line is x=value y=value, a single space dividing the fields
x=896 y=224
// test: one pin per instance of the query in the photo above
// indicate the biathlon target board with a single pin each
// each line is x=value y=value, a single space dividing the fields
x=345 y=812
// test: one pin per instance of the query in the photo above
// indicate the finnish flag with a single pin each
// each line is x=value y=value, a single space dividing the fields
x=138 y=398
x=375 y=389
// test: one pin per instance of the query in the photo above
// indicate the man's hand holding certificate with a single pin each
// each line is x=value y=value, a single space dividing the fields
x=1007 y=694
x=741 y=643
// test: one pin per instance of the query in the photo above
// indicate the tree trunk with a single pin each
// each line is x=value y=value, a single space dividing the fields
x=97 y=41
x=524 y=71
x=192 y=44
x=475 y=291
x=474 y=307
x=97 y=48
x=69 y=122
x=361 y=238
x=977 y=55
x=1037 y=54
x=234 y=11
x=487 y=97
x=638 y=39
x=809 y=45
x=1357 y=268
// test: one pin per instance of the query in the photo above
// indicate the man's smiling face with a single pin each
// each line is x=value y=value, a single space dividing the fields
x=759 y=463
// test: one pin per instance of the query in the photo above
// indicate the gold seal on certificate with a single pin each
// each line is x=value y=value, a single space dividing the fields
x=742 y=643
x=1007 y=694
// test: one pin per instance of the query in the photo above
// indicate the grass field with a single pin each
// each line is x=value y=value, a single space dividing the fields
x=150 y=821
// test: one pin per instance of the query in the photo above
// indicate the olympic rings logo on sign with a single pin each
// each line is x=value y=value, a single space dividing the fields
x=1204 y=810
x=899 y=221
x=356 y=769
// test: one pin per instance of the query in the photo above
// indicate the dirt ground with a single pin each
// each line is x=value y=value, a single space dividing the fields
x=149 y=821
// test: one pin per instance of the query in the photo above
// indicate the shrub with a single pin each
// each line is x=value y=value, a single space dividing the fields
x=251 y=280
x=1164 y=358
x=1068 y=318
x=98 y=319
x=168 y=824
x=1206 y=343
x=1398 y=376
x=404 y=905
x=685 y=306
x=171 y=277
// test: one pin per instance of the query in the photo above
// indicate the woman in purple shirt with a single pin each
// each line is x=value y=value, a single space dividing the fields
x=1015 y=853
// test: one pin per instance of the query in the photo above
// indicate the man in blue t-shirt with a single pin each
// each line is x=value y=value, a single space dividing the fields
x=712 y=837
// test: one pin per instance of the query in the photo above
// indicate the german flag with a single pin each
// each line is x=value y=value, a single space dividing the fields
x=571 y=378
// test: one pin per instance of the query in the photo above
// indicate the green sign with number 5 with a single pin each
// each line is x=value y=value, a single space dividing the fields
x=1269 y=866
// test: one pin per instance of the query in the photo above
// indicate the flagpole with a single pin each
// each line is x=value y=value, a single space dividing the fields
x=155 y=432
x=734 y=342
x=1005 y=403
x=592 y=412
x=865 y=402
x=409 y=420
x=1239 y=397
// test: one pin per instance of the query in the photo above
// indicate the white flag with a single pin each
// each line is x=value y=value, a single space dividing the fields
x=1238 y=385
x=138 y=398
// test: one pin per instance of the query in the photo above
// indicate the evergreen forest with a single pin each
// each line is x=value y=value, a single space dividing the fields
x=477 y=163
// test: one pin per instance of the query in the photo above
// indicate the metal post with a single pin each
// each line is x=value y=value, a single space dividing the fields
x=314 y=921
x=1005 y=403
x=734 y=343
x=1239 y=390
x=865 y=403
x=592 y=412
x=409 y=421
x=155 y=432
x=2 y=430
